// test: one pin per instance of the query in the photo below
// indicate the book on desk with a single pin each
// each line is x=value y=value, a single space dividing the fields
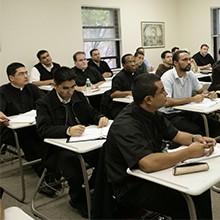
x=25 y=118
x=91 y=133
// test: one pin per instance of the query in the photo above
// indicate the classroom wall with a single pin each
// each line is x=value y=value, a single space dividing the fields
x=26 y=26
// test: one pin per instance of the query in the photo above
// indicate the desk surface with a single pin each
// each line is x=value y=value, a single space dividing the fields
x=78 y=147
x=202 y=109
x=202 y=75
x=192 y=184
x=127 y=99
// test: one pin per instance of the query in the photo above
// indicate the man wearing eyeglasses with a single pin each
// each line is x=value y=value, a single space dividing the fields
x=16 y=97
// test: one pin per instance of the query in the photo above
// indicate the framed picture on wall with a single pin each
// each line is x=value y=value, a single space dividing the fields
x=152 y=34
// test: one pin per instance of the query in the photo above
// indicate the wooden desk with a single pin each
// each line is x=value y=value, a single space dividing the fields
x=189 y=184
x=79 y=148
x=203 y=111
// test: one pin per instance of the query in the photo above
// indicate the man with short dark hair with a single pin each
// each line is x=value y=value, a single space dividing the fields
x=139 y=60
x=203 y=59
x=83 y=71
x=62 y=113
x=121 y=83
x=99 y=64
x=180 y=83
x=42 y=73
x=16 y=97
x=167 y=64
x=134 y=141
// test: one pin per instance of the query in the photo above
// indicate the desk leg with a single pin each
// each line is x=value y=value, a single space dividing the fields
x=191 y=206
x=86 y=182
x=206 y=124
x=21 y=171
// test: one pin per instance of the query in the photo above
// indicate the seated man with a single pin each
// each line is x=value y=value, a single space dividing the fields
x=65 y=112
x=167 y=64
x=139 y=60
x=121 y=83
x=203 y=59
x=83 y=72
x=99 y=64
x=215 y=75
x=16 y=97
x=149 y=66
x=174 y=49
x=134 y=140
x=42 y=73
x=180 y=83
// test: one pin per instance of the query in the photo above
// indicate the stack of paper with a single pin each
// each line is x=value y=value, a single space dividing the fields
x=27 y=117
x=206 y=103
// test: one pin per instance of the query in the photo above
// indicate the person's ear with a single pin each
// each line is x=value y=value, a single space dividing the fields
x=10 y=77
x=148 y=99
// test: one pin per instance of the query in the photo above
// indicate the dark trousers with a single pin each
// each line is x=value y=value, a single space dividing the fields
x=193 y=123
x=164 y=200
x=29 y=143
x=69 y=165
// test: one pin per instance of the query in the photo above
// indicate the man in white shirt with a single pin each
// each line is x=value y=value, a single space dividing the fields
x=180 y=83
x=42 y=73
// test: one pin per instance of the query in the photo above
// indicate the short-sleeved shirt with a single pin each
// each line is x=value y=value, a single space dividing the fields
x=123 y=81
x=177 y=87
x=134 y=134
x=90 y=72
x=203 y=60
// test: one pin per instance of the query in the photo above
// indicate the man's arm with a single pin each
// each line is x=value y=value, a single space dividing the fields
x=181 y=101
x=120 y=94
x=35 y=78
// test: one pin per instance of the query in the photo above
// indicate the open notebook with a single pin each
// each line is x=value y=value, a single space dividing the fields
x=91 y=133
x=205 y=104
x=27 y=117
x=216 y=153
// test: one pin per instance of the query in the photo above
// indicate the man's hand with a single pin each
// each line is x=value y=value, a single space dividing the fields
x=199 y=150
x=197 y=98
x=103 y=121
x=77 y=130
x=4 y=121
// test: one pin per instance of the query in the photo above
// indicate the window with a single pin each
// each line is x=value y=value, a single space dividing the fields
x=101 y=31
x=216 y=30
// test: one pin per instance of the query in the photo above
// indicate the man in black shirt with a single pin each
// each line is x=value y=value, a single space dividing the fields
x=135 y=139
x=18 y=97
x=99 y=64
x=203 y=59
x=83 y=72
x=62 y=113
x=42 y=73
x=121 y=83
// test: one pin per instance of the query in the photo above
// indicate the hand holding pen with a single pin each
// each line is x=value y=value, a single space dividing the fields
x=211 y=95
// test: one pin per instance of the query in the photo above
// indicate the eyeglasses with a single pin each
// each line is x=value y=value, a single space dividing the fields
x=22 y=74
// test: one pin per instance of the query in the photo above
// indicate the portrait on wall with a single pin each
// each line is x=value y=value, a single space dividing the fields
x=152 y=34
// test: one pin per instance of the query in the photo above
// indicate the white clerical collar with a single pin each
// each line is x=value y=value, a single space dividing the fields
x=62 y=100
x=21 y=88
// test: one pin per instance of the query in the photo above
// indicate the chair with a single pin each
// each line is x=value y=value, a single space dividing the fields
x=17 y=152
x=13 y=212
x=63 y=182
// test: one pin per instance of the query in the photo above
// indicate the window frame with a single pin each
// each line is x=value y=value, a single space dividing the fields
x=116 y=40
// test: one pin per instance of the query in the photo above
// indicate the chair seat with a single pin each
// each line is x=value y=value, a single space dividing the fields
x=14 y=212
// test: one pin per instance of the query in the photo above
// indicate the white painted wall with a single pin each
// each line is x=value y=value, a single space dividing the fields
x=26 y=26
